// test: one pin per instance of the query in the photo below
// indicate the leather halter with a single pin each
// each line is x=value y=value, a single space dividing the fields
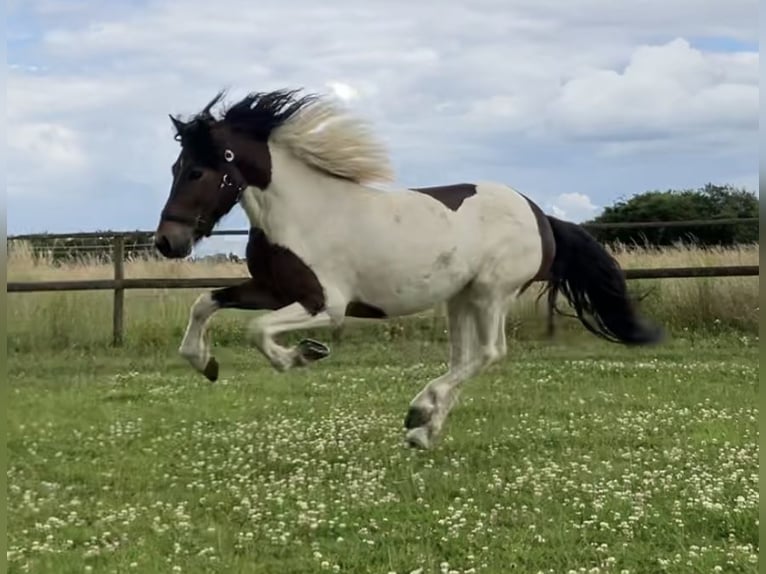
x=232 y=179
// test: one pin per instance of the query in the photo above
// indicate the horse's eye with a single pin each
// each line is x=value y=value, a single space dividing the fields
x=195 y=174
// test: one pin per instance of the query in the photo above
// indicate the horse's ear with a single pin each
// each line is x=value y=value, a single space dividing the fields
x=178 y=124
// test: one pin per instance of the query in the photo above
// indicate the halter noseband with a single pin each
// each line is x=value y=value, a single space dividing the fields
x=232 y=179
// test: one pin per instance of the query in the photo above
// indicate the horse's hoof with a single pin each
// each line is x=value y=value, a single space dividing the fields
x=211 y=370
x=418 y=438
x=416 y=417
x=312 y=350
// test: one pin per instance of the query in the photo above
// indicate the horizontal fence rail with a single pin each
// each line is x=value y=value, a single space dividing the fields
x=217 y=282
x=655 y=224
x=119 y=284
x=230 y=232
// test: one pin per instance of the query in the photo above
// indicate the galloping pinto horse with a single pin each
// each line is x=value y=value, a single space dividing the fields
x=326 y=244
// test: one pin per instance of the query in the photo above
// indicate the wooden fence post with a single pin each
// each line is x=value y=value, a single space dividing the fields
x=118 y=257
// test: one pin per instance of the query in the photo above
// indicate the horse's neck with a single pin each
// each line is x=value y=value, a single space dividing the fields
x=299 y=199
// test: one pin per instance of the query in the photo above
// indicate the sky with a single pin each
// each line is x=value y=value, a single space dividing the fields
x=575 y=104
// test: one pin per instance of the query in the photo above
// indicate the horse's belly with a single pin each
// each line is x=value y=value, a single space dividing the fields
x=404 y=290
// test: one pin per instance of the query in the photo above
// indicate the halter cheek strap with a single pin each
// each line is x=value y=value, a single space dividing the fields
x=232 y=177
x=232 y=180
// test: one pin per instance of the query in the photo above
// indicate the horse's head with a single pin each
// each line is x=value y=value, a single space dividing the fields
x=221 y=157
x=213 y=168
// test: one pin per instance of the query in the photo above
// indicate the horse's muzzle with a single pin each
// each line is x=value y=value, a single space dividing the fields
x=173 y=241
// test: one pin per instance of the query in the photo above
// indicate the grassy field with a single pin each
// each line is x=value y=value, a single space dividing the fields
x=158 y=317
x=585 y=458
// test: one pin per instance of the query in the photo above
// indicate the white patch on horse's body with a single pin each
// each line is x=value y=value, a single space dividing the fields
x=250 y=206
x=400 y=268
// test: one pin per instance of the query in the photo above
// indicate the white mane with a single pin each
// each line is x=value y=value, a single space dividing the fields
x=331 y=140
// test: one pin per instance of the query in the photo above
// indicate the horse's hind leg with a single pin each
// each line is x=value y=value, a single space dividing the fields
x=474 y=324
x=195 y=347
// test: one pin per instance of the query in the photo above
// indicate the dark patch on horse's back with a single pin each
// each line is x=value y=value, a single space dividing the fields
x=362 y=310
x=548 y=243
x=283 y=273
x=451 y=196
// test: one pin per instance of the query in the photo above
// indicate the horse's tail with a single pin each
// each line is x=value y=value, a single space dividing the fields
x=594 y=284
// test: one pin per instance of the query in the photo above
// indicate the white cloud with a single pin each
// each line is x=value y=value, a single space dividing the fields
x=343 y=91
x=44 y=157
x=67 y=133
x=665 y=91
x=35 y=95
x=647 y=18
x=58 y=144
x=529 y=91
x=576 y=207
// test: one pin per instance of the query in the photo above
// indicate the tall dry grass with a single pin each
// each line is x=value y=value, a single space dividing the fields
x=157 y=317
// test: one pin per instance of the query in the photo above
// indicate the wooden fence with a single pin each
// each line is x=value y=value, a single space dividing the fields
x=119 y=283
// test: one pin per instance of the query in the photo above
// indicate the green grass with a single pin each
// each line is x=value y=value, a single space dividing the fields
x=582 y=457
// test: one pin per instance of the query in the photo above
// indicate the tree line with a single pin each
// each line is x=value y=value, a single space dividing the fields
x=705 y=203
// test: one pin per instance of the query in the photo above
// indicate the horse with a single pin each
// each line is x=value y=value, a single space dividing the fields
x=332 y=237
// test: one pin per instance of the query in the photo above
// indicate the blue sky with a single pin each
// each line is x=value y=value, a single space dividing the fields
x=575 y=106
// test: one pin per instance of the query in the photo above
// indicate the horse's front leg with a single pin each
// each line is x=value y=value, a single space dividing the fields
x=195 y=346
x=291 y=318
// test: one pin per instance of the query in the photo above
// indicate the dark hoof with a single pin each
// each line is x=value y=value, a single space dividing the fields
x=416 y=418
x=211 y=370
x=312 y=350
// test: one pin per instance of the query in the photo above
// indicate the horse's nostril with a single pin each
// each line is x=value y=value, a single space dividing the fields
x=162 y=243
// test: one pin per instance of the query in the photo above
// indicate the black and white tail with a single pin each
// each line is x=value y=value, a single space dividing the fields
x=594 y=285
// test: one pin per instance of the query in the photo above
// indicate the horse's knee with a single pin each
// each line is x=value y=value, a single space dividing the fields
x=203 y=307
